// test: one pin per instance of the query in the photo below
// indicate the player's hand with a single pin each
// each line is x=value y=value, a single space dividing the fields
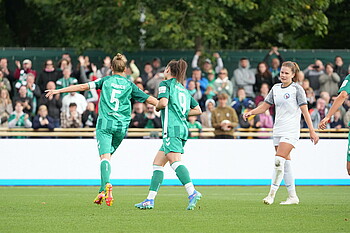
x=314 y=137
x=50 y=93
x=323 y=123
x=246 y=115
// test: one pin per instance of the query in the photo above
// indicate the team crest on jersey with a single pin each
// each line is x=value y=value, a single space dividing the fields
x=286 y=96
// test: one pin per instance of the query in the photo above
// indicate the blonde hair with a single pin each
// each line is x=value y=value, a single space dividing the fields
x=118 y=63
x=295 y=69
x=42 y=107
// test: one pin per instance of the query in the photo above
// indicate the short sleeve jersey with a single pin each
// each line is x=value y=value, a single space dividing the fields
x=345 y=86
x=287 y=101
x=174 y=116
x=115 y=106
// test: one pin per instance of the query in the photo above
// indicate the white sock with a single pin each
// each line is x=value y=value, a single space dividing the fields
x=152 y=195
x=189 y=188
x=277 y=176
x=289 y=179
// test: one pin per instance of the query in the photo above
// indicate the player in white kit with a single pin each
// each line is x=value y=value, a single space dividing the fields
x=290 y=101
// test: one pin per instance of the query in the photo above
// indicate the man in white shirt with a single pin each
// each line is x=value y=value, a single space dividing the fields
x=74 y=97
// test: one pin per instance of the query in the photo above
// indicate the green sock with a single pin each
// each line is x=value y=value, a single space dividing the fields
x=157 y=180
x=105 y=168
x=182 y=173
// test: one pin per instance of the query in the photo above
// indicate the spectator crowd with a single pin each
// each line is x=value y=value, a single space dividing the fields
x=223 y=97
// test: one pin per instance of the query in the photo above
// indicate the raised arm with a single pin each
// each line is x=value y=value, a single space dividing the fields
x=75 y=88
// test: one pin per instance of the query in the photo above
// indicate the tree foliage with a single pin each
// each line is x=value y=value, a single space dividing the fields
x=177 y=24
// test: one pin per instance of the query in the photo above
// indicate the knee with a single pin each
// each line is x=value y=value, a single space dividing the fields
x=279 y=162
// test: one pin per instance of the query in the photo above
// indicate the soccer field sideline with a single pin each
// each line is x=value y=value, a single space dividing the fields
x=222 y=209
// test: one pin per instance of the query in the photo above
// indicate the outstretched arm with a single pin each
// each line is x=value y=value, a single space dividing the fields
x=195 y=111
x=337 y=103
x=313 y=136
x=75 y=88
x=152 y=100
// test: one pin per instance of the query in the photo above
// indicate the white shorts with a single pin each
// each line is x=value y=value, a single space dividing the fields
x=290 y=140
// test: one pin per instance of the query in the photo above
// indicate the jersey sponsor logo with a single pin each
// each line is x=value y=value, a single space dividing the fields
x=286 y=96
x=161 y=90
x=344 y=83
x=118 y=86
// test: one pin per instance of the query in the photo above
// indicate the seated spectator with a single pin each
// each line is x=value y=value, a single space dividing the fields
x=252 y=122
x=49 y=73
x=53 y=104
x=6 y=107
x=264 y=90
x=327 y=98
x=241 y=102
x=336 y=120
x=21 y=73
x=311 y=98
x=301 y=78
x=206 y=115
x=19 y=119
x=223 y=85
x=197 y=77
x=151 y=117
x=66 y=80
x=209 y=93
x=5 y=70
x=313 y=73
x=306 y=84
x=89 y=117
x=33 y=92
x=244 y=77
x=4 y=82
x=340 y=69
x=76 y=98
x=207 y=65
x=62 y=64
x=43 y=120
x=275 y=65
x=223 y=119
x=157 y=65
x=319 y=113
x=71 y=118
x=26 y=101
x=194 y=124
x=195 y=90
x=153 y=84
x=211 y=77
x=138 y=119
x=329 y=80
x=266 y=120
x=263 y=75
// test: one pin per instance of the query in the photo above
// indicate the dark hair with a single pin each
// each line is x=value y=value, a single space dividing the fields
x=330 y=64
x=178 y=69
x=45 y=64
x=118 y=63
x=267 y=73
x=72 y=105
x=294 y=67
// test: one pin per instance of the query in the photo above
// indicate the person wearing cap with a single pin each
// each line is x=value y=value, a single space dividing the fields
x=21 y=72
x=207 y=65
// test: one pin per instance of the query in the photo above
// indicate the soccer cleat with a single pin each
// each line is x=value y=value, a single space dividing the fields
x=100 y=197
x=146 y=204
x=268 y=200
x=291 y=201
x=194 y=198
x=109 y=197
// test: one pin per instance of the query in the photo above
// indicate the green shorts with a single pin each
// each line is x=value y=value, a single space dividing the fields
x=173 y=145
x=108 y=140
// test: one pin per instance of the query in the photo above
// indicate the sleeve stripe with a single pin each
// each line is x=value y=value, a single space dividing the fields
x=92 y=85
x=301 y=104
x=268 y=102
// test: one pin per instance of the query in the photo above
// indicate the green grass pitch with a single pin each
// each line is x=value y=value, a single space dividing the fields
x=222 y=209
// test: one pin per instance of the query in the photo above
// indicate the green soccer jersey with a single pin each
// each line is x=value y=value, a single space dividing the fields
x=345 y=86
x=175 y=113
x=115 y=106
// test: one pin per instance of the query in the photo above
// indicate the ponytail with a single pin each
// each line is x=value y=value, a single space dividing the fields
x=178 y=69
x=118 y=63
x=294 y=68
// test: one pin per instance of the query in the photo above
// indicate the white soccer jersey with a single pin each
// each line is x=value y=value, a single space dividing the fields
x=287 y=102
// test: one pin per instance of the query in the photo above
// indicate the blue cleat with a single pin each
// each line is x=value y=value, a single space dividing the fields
x=146 y=204
x=194 y=198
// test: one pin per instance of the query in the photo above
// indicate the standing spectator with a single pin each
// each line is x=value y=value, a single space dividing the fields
x=263 y=75
x=49 y=73
x=340 y=69
x=53 y=104
x=71 y=118
x=244 y=77
x=153 y=84
x=106 y=67
x=197 y=77
x=4 y=82
x=319 y=112
x=6 y=71
x=147 y=74
x=275 y=65
x=241 y=102
x=223 y=85
x=195 y=90
x=329 y=81
x=89 y=117
x=66 y=80
x=223 y=119
x=43 y=120
x=313 y=73
x=152 y=119
x=264 y=91
x=33 y=92
x=266 y=120
x=76 y=98
x=26 y=101
x=18 y=118
x=194 y=124
x=207 y=66
x=5 y=107
x=206 y=115
x=138 y=119
x=21 y=73
x=336 y=121
x=157 y=65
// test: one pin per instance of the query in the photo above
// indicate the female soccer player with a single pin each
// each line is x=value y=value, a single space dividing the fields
x=114 y=117
x=344 y=92
x=175 y=103
x=290 y=100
